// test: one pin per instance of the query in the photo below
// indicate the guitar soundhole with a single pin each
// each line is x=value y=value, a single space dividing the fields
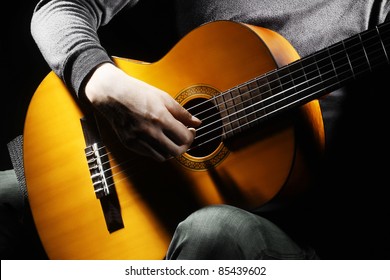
x=209 y=134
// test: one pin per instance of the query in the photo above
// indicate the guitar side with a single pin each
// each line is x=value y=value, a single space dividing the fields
x=261 y=166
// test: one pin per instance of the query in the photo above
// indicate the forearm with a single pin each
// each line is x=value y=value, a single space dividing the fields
x=66 y=34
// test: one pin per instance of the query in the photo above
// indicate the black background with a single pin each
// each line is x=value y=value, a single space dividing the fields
x=22 y=68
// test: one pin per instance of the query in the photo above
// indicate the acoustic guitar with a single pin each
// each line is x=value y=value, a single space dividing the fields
x=259 y=146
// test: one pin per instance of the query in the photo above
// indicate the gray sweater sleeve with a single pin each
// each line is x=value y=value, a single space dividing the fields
x=66 y=34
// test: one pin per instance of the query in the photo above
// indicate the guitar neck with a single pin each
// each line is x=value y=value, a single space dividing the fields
x=304 y=80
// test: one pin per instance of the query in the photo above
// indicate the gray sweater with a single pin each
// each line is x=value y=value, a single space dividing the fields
x=66 y=30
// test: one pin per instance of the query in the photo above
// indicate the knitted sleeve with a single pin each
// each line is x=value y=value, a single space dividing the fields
x=65 y=32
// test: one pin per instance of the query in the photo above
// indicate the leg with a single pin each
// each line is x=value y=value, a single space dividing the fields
x=226 y=232
x=11 y=209
x=18 y=238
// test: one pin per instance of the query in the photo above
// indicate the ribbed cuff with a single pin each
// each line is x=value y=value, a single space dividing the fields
x=81 y=68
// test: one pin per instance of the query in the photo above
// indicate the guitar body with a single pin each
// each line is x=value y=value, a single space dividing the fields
x=271 y=164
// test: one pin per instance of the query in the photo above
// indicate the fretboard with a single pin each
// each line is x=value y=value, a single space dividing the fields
x=304 y=80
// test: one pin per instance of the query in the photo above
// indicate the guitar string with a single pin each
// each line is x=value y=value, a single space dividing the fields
x=236 y=113
x=281 y=85
x=134 y=158
x=274 y=104
x=375 y=36
x=127 y=169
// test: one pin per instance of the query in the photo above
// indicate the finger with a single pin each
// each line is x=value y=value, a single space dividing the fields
x=164 y=144
x=156 y=144
x=182 y=115
x=177 y=132
x=153 y=141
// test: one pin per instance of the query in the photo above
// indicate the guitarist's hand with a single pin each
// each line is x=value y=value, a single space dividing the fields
x=147 y=120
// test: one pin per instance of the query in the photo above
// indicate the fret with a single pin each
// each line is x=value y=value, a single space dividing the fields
x=276 y=98
x=374 y=50
x=222 y=102
x=238 y=110
x=298 y=76
x=247 y=102
x=266 y=104
x=382 y=45
x=384 y=34
x=356 y=55
x=349 y=61
x=257 y=92
x=365 y=52
x=219 y=102
x=230 y=112
x=256 y=97
x=248 y=110
x=287 y=85
x=327 y=70
x=311 y=71
x=341 y=62
x=286 y=81
x=284 y=85
x=313 y=76
x=228 y=98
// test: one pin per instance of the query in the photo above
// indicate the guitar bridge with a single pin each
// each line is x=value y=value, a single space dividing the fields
x=98 y=163
x=101 y=175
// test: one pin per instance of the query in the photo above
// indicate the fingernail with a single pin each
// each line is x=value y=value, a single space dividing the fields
x=195 y=119
x=193 y=130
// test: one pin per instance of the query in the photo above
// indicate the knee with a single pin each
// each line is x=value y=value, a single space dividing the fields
x=218 y=231
x=208 y=222
x=225 y=220
x=227 y=232
x=10 y=195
